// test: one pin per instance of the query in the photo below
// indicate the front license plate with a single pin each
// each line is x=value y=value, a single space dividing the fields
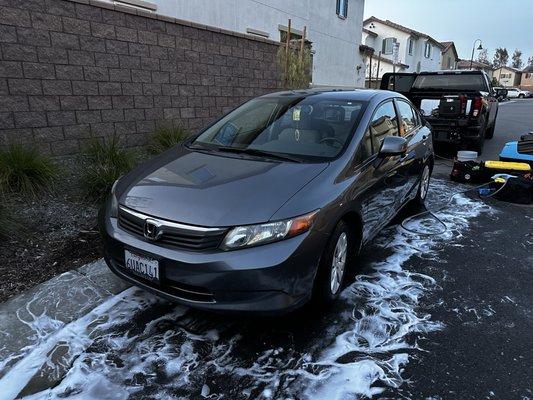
x=145 y=267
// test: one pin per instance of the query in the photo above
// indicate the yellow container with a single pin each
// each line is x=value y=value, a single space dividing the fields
x=508 y=166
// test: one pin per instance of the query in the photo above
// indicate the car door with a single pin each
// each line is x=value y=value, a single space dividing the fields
x=411 y=164
x=378 y=182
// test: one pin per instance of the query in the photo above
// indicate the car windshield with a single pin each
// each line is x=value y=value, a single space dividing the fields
x=451 y=82
x=309 y=128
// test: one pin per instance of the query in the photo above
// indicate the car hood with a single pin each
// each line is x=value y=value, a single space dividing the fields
x=209 y=189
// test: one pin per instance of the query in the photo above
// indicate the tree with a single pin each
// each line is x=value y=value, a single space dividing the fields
x=501 y=57
x=530 y=61
x=517 y=59
x=483 y=56
x=298 y=63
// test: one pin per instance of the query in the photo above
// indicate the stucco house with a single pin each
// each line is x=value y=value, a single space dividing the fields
x=333 y=28
x=467 y=64
x=416 y=51
x=526 y=83
x=377 y=66
x=508 y=76
x=450 y=58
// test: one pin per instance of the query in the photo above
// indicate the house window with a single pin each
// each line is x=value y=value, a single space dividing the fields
x=342 y=8
x=388 y=45
x=449 y=63
x=295 y=34
x=427 y=50
x=410 y=47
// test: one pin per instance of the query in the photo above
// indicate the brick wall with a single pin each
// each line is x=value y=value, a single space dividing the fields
x=70 y=70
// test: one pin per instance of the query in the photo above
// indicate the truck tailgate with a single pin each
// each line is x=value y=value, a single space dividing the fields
x=430 y=107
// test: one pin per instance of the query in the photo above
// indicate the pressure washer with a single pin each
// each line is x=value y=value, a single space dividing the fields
x=519 y=151
x=509 y=181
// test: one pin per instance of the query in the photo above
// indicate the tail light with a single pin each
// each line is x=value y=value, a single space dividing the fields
x=476 y=106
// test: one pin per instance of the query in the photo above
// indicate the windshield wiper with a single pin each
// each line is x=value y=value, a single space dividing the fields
x=202 y=146
x=260 y=153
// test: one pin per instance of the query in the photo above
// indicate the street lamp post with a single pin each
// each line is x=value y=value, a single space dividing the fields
x=473 y=49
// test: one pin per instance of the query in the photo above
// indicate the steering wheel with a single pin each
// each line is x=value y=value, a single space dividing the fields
x=332 y=139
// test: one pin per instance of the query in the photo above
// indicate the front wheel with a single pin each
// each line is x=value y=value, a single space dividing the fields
x=522 y=96
x=333 y=265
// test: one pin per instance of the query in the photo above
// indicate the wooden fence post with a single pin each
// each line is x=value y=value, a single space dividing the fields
x=286 y=80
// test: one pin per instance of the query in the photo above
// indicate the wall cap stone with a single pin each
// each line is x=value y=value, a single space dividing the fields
x=130 y=10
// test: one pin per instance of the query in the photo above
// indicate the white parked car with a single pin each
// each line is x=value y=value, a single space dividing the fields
x=515 y=93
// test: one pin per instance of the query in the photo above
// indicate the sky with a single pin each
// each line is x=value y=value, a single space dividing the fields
x=507 y=23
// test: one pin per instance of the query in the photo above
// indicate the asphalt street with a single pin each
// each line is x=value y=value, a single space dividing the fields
x=428 y=313
x=515 y=118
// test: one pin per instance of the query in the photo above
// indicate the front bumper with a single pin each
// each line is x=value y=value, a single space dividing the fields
x=273 y=278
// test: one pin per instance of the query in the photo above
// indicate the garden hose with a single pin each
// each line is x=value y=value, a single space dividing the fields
x=441 y=222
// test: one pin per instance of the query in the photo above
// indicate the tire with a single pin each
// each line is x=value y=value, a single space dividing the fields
x=489 y=133
x=423 y=186
x=477 y=146
x=521 y=96
x=326 y=291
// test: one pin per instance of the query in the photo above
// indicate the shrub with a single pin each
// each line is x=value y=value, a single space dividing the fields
x=298 y=73
x=165 y=138
x=24 y=170
x=104 y=162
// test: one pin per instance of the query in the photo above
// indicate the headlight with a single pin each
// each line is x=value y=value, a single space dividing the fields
x=113 y=205
x=253 y=235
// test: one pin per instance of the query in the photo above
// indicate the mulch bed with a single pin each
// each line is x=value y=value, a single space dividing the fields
x=59 y=234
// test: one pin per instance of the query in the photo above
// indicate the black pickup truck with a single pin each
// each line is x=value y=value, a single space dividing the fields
x=461 y=106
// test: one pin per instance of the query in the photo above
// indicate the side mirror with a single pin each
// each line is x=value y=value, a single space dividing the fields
x=501 y=92
x=393 y=146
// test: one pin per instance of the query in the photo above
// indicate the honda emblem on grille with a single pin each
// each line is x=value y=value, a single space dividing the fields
x=152 y=229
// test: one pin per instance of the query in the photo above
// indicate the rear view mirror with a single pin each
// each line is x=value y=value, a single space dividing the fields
x=393 y=146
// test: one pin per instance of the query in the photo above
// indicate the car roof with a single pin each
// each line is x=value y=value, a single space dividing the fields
x=332 y=94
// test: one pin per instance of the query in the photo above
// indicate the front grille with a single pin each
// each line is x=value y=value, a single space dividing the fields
x=171 y=233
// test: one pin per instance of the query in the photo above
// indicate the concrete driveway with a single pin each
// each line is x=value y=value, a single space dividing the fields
x=432 y=313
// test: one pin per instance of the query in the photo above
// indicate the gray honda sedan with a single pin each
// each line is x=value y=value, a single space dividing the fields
x=269 y=206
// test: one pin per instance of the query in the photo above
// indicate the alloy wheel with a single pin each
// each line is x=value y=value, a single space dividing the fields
x=338 y=264
x=424 y=183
